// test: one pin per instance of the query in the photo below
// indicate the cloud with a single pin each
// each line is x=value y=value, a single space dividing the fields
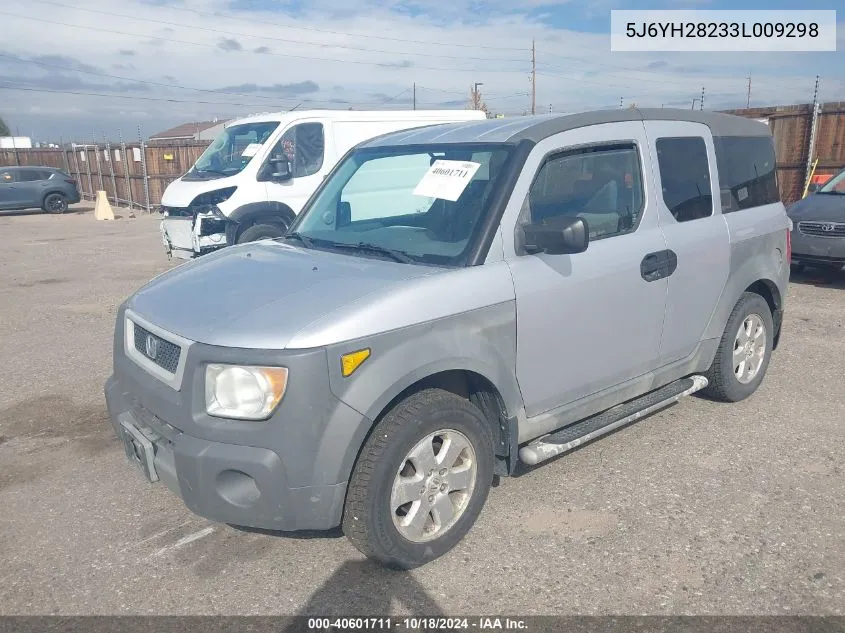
x=405 y=63
x=123 y=66
x=379 y=47
x=169 y=78
x=298 y=88
x=228 y=44
x=65 y=61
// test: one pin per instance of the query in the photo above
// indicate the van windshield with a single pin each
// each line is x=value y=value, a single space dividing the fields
x=416 y=204
x=231 y=151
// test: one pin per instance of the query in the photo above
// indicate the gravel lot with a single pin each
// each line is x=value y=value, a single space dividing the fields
x=701 y=509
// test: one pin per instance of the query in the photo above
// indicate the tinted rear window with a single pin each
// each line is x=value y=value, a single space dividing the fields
x=28 y=175
x=747 y=174
x=685 y=177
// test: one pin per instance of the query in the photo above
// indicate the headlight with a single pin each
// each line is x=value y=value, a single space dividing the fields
x=246 y=393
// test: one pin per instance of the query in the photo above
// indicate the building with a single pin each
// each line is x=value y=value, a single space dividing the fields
x=188 y=132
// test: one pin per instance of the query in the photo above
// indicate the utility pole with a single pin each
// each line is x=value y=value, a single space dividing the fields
x=415 y=95
x=533 y=78
x=621 y=101
x=694 y=99
x=701 y=103
x=748 y=96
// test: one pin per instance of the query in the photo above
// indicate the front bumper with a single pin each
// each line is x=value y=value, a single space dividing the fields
x=288 y=473
x=812 y=249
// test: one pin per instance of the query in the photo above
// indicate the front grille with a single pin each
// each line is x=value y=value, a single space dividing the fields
x=163 y=353
x=822 y=229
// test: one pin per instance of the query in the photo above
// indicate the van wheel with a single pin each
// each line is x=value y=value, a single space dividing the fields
x=261 y=232
x=420 y=481
x=55 y=203
x=744 y=351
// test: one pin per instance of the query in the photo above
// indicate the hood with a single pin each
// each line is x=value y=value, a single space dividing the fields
x=818 y=207
x=180 y=193
x=259 y=295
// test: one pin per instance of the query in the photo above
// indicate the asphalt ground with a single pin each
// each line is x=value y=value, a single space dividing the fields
x=703 y=508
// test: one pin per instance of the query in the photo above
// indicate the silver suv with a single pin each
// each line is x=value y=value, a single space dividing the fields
x=454 y=300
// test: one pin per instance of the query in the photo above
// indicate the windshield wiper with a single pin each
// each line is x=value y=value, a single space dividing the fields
x=832 y=193
x=209 y=171
x=306 y=241
x=395 y=255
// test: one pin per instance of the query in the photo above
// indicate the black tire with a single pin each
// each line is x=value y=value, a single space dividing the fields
x=55 y=203
x=723 y=382
x=367 y=515
x=261 y=232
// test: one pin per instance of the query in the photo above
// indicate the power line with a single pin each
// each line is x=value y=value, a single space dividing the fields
x=141 y=81
x=347 y=34
x=170 y=100
x=269 y=37
x=42 y=20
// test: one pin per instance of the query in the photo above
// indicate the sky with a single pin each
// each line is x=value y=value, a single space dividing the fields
x=84 y=69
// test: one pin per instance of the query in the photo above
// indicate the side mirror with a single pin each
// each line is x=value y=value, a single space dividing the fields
x=567 y=235
x=281 y=169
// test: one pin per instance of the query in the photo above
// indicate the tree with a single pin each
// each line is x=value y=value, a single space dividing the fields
x=476 y=102
x=4 y=129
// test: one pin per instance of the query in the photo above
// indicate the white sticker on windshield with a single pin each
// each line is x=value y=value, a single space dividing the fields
x=446 y=179
x=742 y=194
x=251 y=149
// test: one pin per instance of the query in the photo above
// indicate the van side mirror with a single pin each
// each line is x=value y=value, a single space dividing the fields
x=562 y=236
x=281 y=169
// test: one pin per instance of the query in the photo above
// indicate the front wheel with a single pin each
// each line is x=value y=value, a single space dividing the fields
x=744 y=351
x=260 y=232
x=55 y=203
x=420 y=481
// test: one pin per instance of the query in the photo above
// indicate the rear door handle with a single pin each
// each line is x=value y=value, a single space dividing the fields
x=658 y=265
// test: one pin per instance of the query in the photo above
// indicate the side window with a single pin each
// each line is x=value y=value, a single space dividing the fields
x=29 y=175
x=304 y=145
x=747 y=175
x=601 y=185
x=685 y=176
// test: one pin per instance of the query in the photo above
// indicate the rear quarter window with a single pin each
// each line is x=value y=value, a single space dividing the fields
x=685 y=177
x=747 y=172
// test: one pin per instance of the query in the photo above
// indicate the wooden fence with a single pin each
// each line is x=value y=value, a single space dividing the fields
x=138 y=174
x=792 y=129
x=131 y=174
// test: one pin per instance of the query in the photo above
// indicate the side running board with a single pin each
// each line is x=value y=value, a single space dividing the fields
x=571 y=437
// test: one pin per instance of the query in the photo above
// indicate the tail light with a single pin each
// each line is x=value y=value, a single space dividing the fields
x=788 y=246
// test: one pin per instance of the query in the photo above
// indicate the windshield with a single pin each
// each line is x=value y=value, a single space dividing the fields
x=835 y=184
x=419 y=204
x=232 y=150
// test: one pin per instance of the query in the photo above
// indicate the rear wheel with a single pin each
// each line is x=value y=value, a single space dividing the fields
x=55 y=203
x=744 y=351
x=261 y=232
x=420 y=481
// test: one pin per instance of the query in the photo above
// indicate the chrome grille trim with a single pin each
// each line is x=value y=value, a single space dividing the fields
x=171 y=378
x=822 y=229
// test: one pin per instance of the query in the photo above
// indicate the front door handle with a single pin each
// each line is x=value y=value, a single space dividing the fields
x=658 y=265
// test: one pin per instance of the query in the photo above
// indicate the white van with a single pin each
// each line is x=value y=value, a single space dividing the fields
x=255 y=177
